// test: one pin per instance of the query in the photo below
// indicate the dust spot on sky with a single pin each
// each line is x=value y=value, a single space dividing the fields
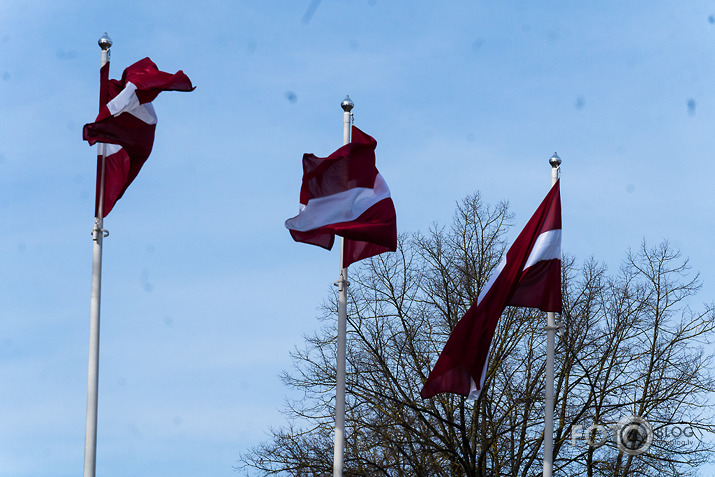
x=291 y=96
x=66 y=55
x=630 y=188
x=251 y=46
x=580 y=103
x=711 y=19
x=6 y=75
x=691 y=107
x=134 y=431
x=477 y=44
x=146 y=285
x=308 y=15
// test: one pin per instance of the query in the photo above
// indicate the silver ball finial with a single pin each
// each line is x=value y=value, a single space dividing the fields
x=555 y=161
x=347 y=104
x=105 y=42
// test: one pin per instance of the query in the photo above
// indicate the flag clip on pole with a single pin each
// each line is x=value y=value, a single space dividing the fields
x=342 y=283
x=551 y=328
x=98 y=233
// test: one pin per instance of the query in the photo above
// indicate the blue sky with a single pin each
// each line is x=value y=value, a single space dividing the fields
x=204 y=292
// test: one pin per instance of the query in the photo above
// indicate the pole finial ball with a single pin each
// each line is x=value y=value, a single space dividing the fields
x=555 y=160
x=347 y=104
x=105 y=42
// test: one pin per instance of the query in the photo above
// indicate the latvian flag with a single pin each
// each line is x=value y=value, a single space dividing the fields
x=529 y=276
x=344 y=194
x=127 y=122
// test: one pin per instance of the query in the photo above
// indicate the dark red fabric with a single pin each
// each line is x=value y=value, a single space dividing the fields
x=466 y=352
x=134 y=135
x=353 y=165
x=539 y=287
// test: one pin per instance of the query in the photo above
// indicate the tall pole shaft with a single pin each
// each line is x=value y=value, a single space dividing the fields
x=339 y=449
x=90 y=436
x=550 y=351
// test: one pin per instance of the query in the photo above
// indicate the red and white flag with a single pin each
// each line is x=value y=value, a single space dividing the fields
x=528 y=276
x=127 y=122
x=344 y=194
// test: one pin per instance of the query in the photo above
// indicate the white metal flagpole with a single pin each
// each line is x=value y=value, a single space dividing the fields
x=98 y=233
x=551 y=328
x=342 y=283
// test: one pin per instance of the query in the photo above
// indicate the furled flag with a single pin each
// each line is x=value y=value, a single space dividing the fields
x=529 y=276
x=127 y=122
x=344 y=194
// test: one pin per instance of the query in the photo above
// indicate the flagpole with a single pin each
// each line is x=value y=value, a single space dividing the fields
x=342 y=283
x=98 y=234
x=551 y=328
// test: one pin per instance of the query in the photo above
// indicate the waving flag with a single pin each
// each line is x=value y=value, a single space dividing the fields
x=344 y=194
x=127 y=122
x=529 y=276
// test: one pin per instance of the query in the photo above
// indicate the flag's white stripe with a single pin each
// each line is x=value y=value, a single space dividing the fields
x=110 y=149
x=128 y=102
x=546 y=247
x=145 y=112
x=126 y=99
x=473 y=391
x=344 y=206
x=492 y=279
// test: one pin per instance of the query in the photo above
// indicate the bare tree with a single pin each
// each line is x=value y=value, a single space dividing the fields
x=629 y=345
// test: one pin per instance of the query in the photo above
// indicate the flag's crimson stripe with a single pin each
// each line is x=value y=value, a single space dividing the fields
x=536 y=287
x=377 y=225
x=150 y=81
x=115 y=177
x=354 y=251
x=322 y=237
x=454 y=379
x=351 y=166
x=126 y=130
